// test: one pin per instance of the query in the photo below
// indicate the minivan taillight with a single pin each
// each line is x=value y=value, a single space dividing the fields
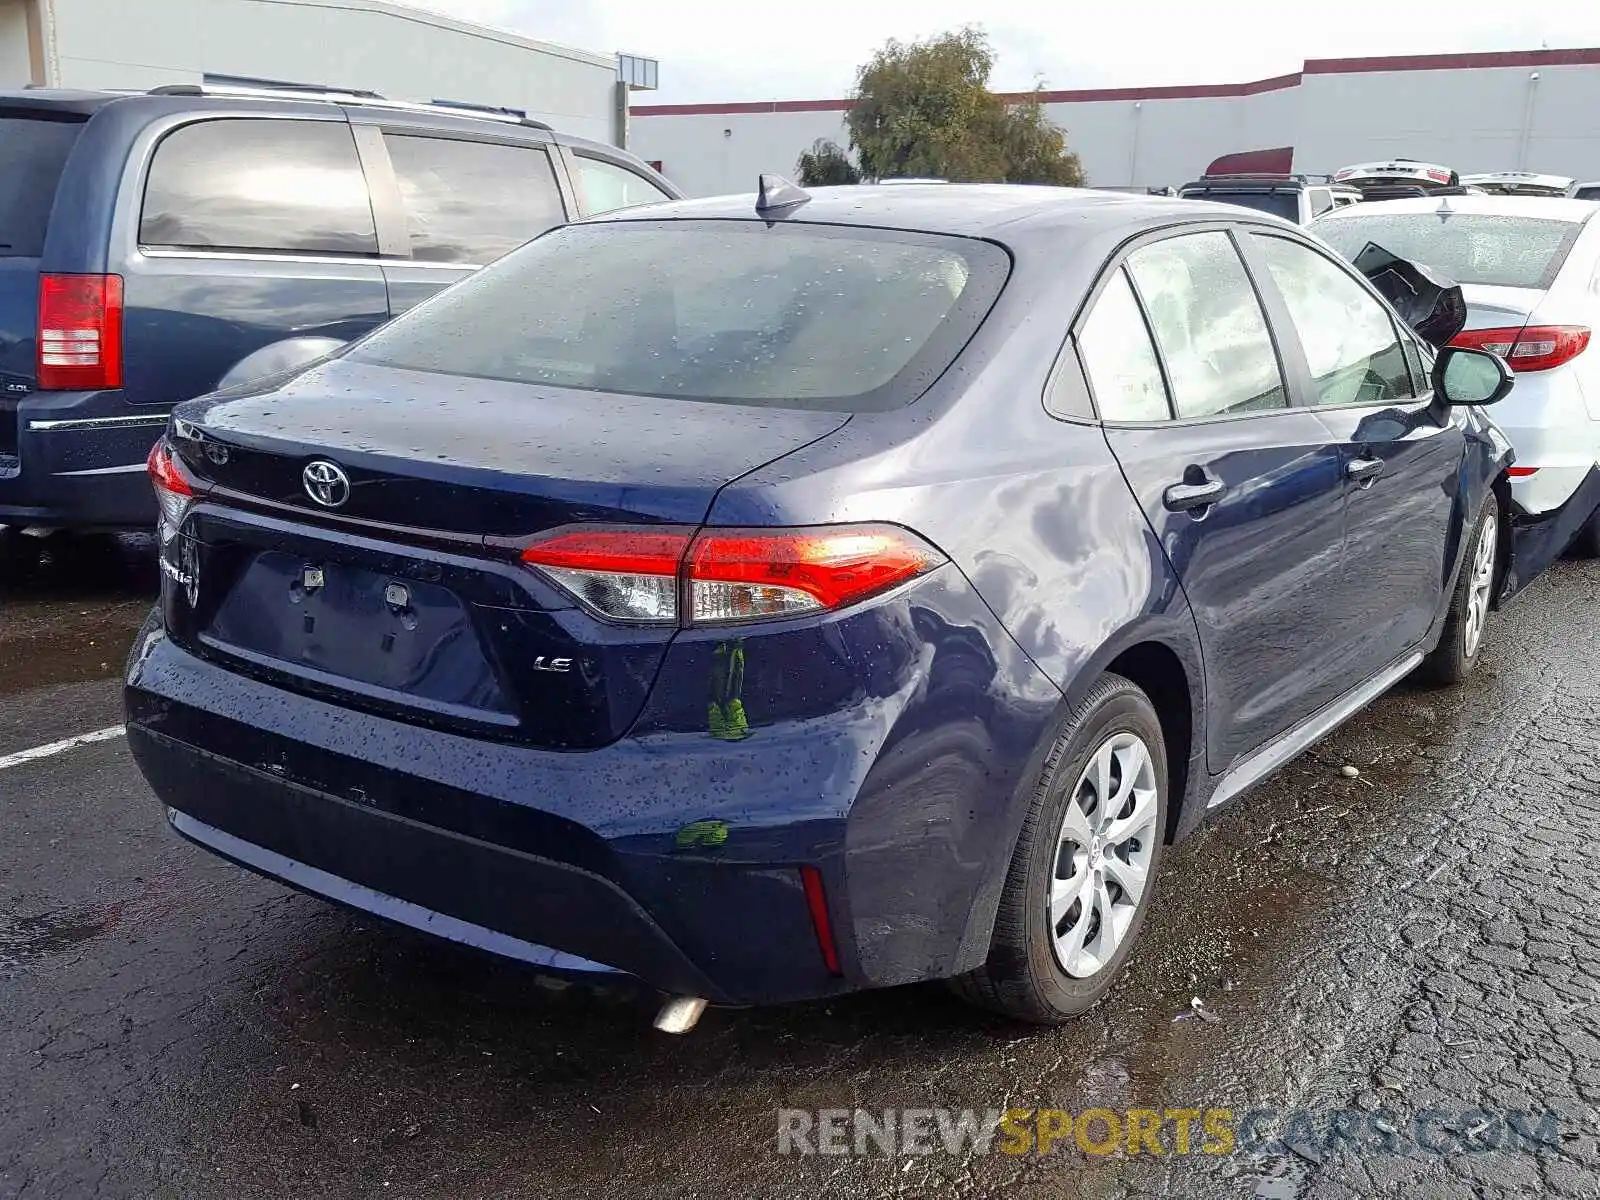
x=80 y=332
x=1532 y=348
x=671 y=575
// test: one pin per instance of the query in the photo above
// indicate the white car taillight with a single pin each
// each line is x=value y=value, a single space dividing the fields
x=1531 y=348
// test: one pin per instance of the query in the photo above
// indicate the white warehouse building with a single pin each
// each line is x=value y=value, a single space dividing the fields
x=372 y=45
x=1528 y=110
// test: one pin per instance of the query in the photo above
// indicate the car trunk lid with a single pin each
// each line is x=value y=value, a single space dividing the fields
x=1491 y=307
x=408 y=595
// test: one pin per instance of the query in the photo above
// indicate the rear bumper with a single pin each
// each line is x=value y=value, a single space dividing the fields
x=1547 y=421
x=458 y=888
x=906 y=797
x=77 y=459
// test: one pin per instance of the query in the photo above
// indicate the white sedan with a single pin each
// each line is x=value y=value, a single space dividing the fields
x=1529 y=269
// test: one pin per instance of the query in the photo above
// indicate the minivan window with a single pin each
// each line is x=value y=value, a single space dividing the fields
x=1208 y=324
x=274 y=186
x=607 y=186
x=792 y=316
x=471 y=202
x=34 y=151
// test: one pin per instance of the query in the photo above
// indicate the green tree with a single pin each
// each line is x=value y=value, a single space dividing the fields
x=925 y=109
x=1036 y=150
x=826 y=164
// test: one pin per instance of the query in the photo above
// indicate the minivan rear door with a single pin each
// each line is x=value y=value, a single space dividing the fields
x=448 y=202
x=34 y=145
x=255 y=235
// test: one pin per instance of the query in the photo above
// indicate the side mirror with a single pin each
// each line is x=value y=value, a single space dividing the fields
x=1463 y=376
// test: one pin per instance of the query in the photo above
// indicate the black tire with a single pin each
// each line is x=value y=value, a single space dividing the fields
x=1022 y=977
x=1457 y=653
x=1587 y=543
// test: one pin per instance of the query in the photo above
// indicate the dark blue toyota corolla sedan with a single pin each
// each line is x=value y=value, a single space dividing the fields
x=769 y=599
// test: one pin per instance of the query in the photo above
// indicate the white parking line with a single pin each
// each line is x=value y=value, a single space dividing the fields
x=71 y=743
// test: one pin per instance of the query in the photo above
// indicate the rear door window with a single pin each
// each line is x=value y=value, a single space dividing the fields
x=607 y=187
x=1208 y=324
x=471 y=202
x=269 y=186
x=33 y=151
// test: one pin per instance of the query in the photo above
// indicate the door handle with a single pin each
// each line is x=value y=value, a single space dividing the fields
x=1363 y=470
x=1186 y=497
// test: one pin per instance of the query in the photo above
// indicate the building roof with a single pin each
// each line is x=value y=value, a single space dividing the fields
x=1314 y=66
x=427 y=16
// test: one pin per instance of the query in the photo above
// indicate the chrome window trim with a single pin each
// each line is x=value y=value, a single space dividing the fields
x=100 y=422
x=341 y=260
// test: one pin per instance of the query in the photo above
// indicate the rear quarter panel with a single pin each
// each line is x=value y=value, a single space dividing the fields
x=1035 y=513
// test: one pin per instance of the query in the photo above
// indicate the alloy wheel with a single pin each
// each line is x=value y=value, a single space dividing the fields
x=1479 y=584
x=1103 y=855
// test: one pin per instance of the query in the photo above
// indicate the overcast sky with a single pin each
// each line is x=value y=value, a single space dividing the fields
x=719 y=50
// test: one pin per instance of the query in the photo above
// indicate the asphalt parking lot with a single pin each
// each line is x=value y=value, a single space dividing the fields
x=1416 y=939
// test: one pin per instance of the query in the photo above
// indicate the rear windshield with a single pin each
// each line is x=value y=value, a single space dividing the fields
x=1589 y=191
x=1279 y=204
x=1505 y=251
x=791 y=315
x=33 y=152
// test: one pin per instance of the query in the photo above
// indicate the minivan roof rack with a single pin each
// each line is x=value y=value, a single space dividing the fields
x=333 y=95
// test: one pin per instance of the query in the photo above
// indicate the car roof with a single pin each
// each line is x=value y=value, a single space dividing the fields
x=449 y=116
x=59 y=99
x=1554 y=208
x=989 y=210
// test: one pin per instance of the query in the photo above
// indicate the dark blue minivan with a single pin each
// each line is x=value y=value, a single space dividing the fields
x=155 y=246
x=768 y=599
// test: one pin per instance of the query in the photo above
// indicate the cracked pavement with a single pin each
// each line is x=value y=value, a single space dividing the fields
x=1416 y=940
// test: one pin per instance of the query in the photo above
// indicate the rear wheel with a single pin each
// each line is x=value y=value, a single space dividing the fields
x=1457 y=652
x=1083 y=873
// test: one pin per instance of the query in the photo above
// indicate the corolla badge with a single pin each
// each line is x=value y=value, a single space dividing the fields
x=326 y=483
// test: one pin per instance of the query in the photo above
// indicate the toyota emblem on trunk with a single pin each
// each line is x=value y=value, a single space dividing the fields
x=326 y=483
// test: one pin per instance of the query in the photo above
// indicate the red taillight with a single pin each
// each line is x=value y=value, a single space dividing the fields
x=817 y=902
x=80 y=332
x=1531 y=348
x=644 y=576
x=738 y=575
x=174 y=492
x=164 y=473
x=625 y=574
x=1521 y=472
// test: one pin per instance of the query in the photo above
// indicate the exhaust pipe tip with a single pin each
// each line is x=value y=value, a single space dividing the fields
x=680 y=1014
